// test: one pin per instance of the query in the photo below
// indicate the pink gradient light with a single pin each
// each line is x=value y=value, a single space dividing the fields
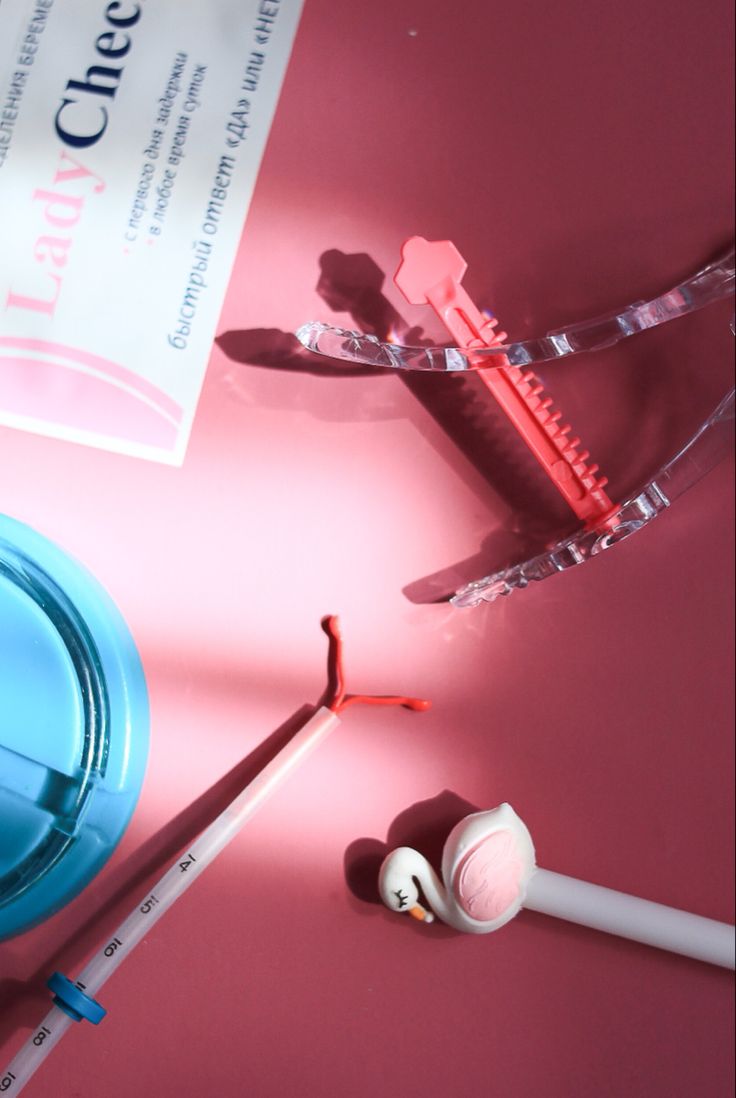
x=543 y=140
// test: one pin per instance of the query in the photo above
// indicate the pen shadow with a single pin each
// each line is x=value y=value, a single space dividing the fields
x=23 y=1000
x=425 y=827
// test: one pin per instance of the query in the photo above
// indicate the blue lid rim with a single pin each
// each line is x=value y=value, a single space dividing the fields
x=41 y=588
x=116 y=699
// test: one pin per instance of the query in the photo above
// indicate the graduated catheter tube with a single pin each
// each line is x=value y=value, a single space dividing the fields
x=74 y=1001
x=171 y=886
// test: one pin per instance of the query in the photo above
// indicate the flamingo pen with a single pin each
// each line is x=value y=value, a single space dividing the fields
x=489 y=874
x=74 y=1001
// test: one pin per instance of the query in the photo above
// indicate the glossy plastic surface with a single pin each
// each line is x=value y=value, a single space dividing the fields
x=708 y=447
x=711 y=283
x=73 y=728
x=430 y=273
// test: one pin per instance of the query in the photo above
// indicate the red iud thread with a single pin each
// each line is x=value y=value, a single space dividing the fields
x=431 y=273
x=75 y=1001
x=340 y=700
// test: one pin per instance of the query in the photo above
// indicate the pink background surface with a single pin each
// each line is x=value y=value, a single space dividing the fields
x=580 y=158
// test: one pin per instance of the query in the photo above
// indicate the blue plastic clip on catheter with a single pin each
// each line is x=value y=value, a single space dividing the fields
x=74 y=1001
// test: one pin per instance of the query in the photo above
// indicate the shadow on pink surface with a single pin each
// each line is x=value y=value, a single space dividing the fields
x=424 y=826
x=535 y=515
x=24 y=1000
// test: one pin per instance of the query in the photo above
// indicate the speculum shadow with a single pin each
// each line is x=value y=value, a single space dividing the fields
x=459 y=404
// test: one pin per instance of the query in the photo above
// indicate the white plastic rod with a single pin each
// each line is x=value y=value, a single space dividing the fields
x=631 y=917
x=34 y=1051
x=171 y=886
x=204 y=850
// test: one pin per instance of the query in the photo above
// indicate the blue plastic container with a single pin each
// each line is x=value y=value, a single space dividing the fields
x=73 y=727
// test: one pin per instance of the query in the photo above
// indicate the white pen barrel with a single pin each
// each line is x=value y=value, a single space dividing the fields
x=631 y=917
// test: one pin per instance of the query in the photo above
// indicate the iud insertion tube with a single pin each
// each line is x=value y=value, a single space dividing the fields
x=74 y=1001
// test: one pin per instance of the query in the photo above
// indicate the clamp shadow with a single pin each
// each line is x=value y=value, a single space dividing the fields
x=459 y=405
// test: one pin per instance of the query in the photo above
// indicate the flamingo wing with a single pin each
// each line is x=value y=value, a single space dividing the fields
x=486 y=882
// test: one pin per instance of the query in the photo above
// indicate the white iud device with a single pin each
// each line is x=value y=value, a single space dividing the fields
x=489 y=873
x=74 y=1001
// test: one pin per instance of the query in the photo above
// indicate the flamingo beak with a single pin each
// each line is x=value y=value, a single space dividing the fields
x=421 y=913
